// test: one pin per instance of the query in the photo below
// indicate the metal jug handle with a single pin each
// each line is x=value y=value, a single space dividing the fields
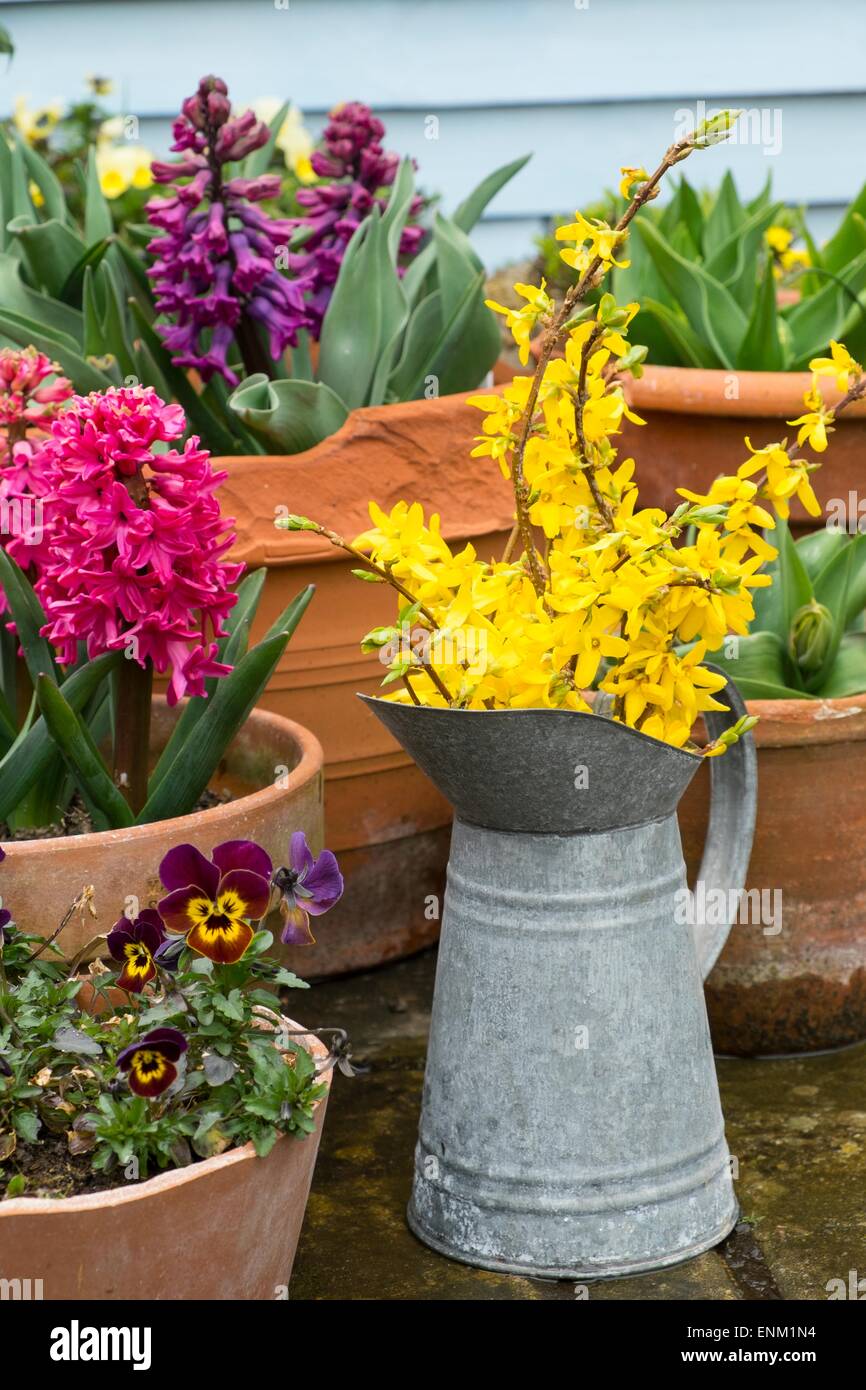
x=733 y=803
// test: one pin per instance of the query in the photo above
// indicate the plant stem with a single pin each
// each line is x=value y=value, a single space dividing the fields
x=552 y=339
x=132 y=731
x=252 y=349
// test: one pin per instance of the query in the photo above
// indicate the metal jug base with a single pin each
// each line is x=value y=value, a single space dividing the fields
x=572 y=1272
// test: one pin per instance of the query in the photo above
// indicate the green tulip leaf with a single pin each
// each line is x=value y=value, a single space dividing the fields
x=289 y=416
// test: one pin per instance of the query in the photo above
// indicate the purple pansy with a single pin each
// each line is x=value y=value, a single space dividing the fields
x=135 y=944
x=211 y=902
x=307 y=888
x=150 y=1062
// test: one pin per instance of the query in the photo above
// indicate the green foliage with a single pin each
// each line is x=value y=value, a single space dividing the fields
x=66 y=749
x=234 y=1085
x=708 y=282
x=806 y=640
x=388 y=337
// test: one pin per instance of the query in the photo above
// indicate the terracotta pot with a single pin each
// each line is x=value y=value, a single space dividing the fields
x=223 y=1228
x=696 y=421
x=40 y=878
x=803 y=988
x=386 y=822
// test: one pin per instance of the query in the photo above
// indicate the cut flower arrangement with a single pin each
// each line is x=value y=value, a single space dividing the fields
x=592 y=588
x=180 y=1053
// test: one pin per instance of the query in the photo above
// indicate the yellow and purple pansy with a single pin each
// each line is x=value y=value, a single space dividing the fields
x=150 y=1062
x=135 y=944
x=307 y=887
x=212 y=901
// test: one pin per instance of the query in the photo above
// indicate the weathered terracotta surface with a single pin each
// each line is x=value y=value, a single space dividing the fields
x=804 y=988
x=696 y=421
x=384 y=819
x=41 y=877
x=224 y=1228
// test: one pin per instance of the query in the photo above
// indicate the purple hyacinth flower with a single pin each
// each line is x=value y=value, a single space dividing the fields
x=354 y=159
x=307 y=888
x=216 y=257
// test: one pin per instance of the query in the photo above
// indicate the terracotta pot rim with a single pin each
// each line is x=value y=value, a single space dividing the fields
x=704 y=391
x=788 y=723
x=306 y=548
x=161 y=1182
x=305 y=771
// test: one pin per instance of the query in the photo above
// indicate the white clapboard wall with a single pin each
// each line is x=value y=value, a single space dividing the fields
x=585 y=85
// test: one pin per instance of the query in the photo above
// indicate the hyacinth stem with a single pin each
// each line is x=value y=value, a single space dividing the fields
x=252 y=349
x=132 y=731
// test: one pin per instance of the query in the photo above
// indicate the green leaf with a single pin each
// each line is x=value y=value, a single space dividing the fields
x=29 y=619
x=708 y=306
x=761 y=350
x=761 y=199
x=367 y=313
x=83 y=375
x=831 y=589
x=26 y=1124
x=98 y=223
x=30 y=762
x=848 y=675
x=257 y=162
x=725 y=217
x=847 y=241
x=231 y=649
x=736 y=262
x=814 y=321
x=290 y=416
x=758 y=658
x=48 y=315
x=47 y=182
x=791 y=588
x=51 y=250
x=192 y=769
x=690 y=350
x=396 y=213
x=108 y=809
x=72 y=288
x=6 y=44
x=469 y=211
x=817 y=548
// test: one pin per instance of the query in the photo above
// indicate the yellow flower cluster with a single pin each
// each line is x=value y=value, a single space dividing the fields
x=593 y=590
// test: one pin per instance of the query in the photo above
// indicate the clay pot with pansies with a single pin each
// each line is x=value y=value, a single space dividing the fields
x=801 y=988
x=386 y=822
x=696 y=420
x=225 y=1228
x=273 y=772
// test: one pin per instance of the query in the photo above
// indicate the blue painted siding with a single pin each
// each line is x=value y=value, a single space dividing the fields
x=586 y=85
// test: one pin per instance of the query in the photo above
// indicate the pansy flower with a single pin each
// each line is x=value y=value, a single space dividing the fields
x=135 y=945
x=308 y=888
x=150 y=1062
x=5 y=929
x=211 y=901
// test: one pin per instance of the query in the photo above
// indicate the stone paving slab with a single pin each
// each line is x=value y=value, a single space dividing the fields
x=797 y=1128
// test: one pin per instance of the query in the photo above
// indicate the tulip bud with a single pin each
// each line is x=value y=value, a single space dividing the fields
x=810 y=636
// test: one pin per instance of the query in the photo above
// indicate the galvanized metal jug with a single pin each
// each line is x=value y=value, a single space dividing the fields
x=571 y=1124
